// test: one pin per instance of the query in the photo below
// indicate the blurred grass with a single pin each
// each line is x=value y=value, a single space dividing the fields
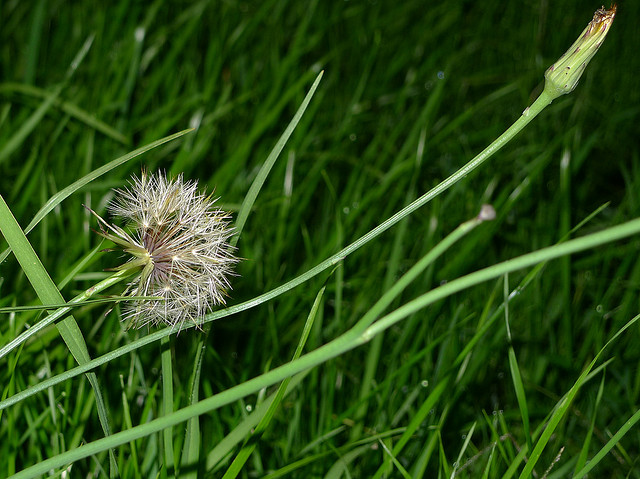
x=410 y=93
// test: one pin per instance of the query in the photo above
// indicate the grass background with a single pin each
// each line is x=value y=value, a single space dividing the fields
x=411 y=91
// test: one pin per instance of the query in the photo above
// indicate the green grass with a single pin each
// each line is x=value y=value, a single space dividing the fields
x=436 y=348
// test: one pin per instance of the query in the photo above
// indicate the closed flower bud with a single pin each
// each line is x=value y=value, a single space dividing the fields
x=562 y=77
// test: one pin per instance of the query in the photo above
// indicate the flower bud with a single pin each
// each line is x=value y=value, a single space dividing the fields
x=562 y=77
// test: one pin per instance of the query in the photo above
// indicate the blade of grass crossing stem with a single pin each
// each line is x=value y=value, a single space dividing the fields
x=563 y=406
x=193 y=427
x=48 y=293
x=584 y=452
x=63 y=194
x=40 y=280
x=338 y=346
x=250 y=444
x=167 y=403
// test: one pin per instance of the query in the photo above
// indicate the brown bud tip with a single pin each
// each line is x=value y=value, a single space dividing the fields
x=562 y=77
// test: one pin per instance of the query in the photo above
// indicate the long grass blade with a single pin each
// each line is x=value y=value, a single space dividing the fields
x=250 y=444
x=49 y=294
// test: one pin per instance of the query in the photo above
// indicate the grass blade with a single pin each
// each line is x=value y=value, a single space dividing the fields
x=48 y=293
x=330 y=350
x=256 y=186
x=563 y=406
x=250 y=444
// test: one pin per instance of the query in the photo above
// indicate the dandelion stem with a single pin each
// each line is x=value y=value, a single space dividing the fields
x=529 y=114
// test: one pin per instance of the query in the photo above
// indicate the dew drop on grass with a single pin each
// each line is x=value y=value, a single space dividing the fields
x=424 y=383
x=441 y=75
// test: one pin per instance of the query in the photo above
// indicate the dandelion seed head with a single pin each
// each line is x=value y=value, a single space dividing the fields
x=179 y=242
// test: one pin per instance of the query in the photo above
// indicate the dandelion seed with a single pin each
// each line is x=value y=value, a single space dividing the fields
x=178 y=242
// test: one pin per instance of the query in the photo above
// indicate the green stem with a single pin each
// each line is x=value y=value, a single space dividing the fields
x=417 y=269
x=338 y=346
x=529 y=114
x=61 y=312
